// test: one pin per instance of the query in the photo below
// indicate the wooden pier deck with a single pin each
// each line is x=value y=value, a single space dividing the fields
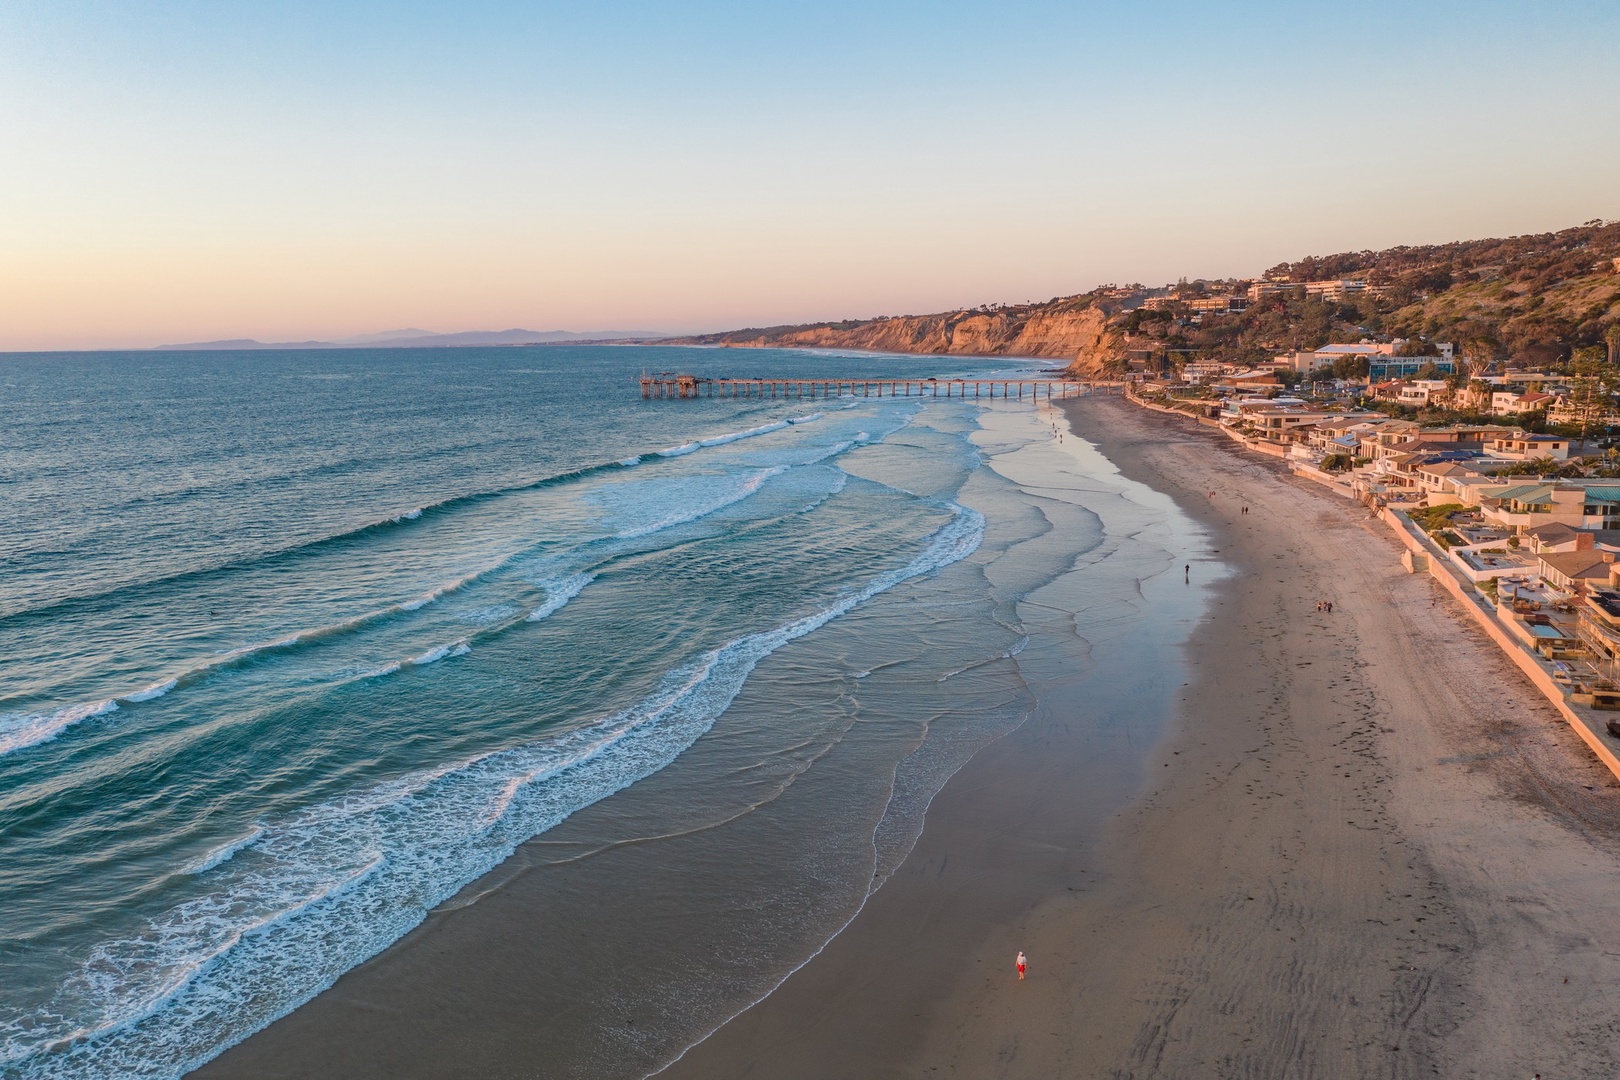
x=673 y=385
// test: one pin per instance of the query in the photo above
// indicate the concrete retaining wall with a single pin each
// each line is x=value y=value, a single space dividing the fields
x=1471 y=601
x=1420 y=556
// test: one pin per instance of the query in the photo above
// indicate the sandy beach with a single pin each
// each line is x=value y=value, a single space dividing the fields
x=1264 y=842
x=1367 y=848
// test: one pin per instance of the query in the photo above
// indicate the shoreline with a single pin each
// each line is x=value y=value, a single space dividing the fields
x=1367 y=853
x=608 y=943
x=1008 y=830
x=1351 y=852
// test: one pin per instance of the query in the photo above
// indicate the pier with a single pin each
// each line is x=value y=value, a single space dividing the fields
x=669 y=384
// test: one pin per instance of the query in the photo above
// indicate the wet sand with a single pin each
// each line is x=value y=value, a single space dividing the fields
x=609 y=943
x=1366 y=848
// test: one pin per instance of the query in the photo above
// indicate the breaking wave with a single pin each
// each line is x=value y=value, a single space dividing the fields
x=283 y=910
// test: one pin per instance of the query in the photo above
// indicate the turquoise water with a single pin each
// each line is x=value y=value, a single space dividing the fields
x=294 y=646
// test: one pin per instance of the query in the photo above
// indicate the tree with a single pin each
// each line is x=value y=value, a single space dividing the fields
x=1315 y=322
x=1612 y=339
x=1481 y=346
x=1350 y=367
x=1413 y=347
x=1427 y=371
x=1592 y=395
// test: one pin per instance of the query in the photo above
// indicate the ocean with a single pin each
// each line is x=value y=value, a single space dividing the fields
x=297 y=648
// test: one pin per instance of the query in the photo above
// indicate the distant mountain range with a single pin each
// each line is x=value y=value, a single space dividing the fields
x=424 y=339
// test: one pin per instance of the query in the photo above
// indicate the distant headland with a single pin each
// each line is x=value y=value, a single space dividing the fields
x=1521 y=301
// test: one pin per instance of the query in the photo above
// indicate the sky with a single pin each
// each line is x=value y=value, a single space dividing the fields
x=192 y=170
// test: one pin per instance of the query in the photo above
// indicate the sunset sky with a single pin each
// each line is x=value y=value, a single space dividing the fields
x=193 y=170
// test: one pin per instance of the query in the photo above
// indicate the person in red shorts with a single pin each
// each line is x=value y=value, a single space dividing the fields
x=1021 y=965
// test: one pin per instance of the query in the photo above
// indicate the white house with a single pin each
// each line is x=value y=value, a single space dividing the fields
x=1509 y=403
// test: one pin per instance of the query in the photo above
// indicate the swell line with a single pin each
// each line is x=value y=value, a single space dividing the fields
x=404 y=520
x=337 y=883
x=21 y=730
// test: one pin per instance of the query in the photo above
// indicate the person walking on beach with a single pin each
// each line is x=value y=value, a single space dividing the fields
x=1021 y=963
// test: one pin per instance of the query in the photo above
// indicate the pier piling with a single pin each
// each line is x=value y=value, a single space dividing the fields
x=669 y=384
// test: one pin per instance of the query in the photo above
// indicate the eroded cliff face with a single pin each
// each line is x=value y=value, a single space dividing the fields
x=1102 y=357
x=1074 y=331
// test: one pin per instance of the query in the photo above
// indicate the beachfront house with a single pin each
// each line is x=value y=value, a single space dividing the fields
x=1248 y=381
x=1292 y=423
x=1438 y=477
x=1381 y=437
x=1598 y=626
x=1575 y=572
x=1557 y=536
x=1524 y=447
x=1582 y=504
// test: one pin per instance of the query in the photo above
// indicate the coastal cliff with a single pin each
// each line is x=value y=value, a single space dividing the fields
x=1074 y=329
x=1522 y=301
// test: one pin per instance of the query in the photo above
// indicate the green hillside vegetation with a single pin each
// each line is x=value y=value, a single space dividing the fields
x=1524 y=301
x=1527 y=301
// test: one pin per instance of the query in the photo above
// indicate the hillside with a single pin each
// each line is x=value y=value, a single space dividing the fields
x=1057 y=329
x=1520 y=301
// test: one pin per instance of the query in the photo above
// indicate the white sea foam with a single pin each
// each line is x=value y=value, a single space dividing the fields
x=488 y=615
x=434 y=655
x=558 y=593
x=223 y=853
x=840 y=482
x=334 y=884
x=630 y=461
x=18 y=731
x=156 y=690
x=732 y=436
x=212 y=928
x=703 y=507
